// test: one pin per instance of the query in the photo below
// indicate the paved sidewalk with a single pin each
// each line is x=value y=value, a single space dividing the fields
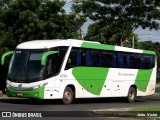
x=4 y=96
x=1 y=93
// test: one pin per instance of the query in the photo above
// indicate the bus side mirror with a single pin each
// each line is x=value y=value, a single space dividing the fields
x=4 y=56
x=45 y=55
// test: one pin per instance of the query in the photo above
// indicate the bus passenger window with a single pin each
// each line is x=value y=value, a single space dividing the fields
x=78 y=60
x=72 y=59
x=88 y=58
x=52 y=65
x=135 y=61
x=127 y=60
x=95 y=58
x=121 y=60
x=148 y=61
x=106 y=59
x=152 y=64
x=83 y=57
x=114 y=60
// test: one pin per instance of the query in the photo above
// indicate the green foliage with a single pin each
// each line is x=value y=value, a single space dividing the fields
x=98 y=33
x=119 y=18
x=103 y=35
x=24 y=20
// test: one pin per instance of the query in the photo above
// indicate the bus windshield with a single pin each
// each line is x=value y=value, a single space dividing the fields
x=26 y=66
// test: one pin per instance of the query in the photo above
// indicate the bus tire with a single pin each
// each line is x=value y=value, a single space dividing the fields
x=68 y=96
x=131 y=95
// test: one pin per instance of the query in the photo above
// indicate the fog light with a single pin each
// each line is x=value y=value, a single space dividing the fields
x=36 y=94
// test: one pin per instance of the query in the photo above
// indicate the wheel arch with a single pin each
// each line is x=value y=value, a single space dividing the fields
x=73 y=88
x=135 y=87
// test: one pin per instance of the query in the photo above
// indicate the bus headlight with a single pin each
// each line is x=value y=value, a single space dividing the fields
x=39 y=86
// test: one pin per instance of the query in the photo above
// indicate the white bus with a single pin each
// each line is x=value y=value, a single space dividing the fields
x=69 y=69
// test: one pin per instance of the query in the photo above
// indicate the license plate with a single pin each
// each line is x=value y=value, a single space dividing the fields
x=20 y=94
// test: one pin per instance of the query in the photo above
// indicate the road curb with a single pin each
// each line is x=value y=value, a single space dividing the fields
x=4 y=97
x=158 y=90
x=1 y=93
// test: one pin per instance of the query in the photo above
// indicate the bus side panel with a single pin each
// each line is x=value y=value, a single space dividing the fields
x=116 y=82
x=91 y=79
x=67 y=79
x=150 y=88
x=121 y=79
x=52 y=91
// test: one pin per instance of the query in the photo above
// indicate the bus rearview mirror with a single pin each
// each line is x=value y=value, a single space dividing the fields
x=4 y=56
x=45 y=55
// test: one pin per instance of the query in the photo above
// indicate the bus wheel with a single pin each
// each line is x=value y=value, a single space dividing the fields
x=68 y=96
x=131 y=95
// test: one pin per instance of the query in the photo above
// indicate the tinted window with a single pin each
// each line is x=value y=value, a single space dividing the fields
x=74 y=58
x=95 y=58
x=105 y=58
x=135 y=61
x=54 y=61
x=147 y=61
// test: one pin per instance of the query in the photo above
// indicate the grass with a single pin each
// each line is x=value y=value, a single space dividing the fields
x=148 y=111
x=158 y=88
x=133 y=113
x=158 y=85
x=149 y=107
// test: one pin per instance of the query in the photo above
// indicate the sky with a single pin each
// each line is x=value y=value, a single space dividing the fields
x=143 y=34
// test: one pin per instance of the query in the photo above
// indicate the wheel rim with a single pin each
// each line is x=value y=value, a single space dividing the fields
x=67 y=96
x=131 y=95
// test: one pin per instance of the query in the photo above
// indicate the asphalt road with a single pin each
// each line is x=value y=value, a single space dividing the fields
x=80 y=107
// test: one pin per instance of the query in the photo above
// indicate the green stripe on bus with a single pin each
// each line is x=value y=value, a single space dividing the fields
x=97 y=46
x=148 y=52
x=142 y=79
x=91 y=78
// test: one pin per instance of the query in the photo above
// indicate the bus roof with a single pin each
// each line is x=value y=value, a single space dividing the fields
x=46 y=44
x=43 y=44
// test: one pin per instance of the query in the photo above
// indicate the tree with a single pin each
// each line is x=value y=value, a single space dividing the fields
x=102 y=35
x=25 y=20
x=119 y=18
x=98 y=33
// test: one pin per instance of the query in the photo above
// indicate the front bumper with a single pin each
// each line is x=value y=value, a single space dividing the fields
x=35 y=93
